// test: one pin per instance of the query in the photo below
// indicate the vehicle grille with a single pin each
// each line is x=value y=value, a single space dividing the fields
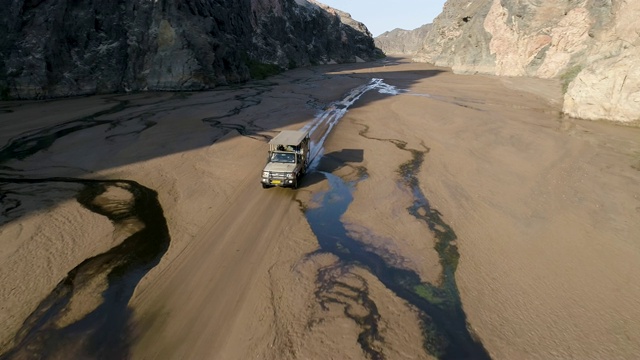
x=278 y=175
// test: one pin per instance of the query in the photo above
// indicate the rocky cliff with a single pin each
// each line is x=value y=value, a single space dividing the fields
x=402 y=42
x=592 y=45
x=53 y=48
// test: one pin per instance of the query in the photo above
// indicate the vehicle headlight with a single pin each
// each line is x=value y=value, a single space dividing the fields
x=265 y=174
x=290 y=176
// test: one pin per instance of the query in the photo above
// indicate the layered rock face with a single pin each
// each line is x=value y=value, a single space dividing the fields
x=592 y=45
x=53 y=48
x=402 y=42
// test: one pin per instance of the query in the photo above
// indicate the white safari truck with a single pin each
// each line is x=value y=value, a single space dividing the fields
x=288 y=159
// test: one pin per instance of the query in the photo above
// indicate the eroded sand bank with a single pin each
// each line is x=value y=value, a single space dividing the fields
x=542 y=210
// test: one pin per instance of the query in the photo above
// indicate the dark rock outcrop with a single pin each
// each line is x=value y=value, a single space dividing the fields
x=592 y=45
x=457 y=38
x=402 y=42
x=52 y=48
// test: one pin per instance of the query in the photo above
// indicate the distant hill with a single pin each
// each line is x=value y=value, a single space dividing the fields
x=402 y=42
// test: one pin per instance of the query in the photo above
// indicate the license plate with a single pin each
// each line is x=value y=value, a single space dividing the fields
x=275 y=181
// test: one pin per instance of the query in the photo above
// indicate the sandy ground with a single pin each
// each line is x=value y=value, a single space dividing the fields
x=545 y=211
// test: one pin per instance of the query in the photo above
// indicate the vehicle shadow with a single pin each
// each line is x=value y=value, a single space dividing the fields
x=332 y=162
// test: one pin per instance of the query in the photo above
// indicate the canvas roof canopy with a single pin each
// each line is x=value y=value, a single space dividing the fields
x=289 y=137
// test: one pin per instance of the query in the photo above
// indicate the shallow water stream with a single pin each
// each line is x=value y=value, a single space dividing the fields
x=102 y=331
x=446 y=333
x=445 y=330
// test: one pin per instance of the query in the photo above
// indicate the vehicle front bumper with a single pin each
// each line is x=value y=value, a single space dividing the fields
x=277 y=181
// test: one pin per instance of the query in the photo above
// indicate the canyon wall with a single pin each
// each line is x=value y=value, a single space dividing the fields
x=592 y=45
x=53 y=48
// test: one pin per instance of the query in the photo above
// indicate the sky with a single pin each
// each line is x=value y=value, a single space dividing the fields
x=384 y=15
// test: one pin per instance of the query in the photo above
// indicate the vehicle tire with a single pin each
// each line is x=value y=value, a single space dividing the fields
x=265 y=186
x=295 y=183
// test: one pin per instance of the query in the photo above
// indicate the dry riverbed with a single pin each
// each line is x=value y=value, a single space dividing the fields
x=446 y=216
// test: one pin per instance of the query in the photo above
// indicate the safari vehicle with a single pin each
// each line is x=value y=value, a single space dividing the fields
x=288 y=159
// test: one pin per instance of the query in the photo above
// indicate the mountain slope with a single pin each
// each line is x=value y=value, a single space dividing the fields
x=592 y=45
x=60 y=48
x=402 y=42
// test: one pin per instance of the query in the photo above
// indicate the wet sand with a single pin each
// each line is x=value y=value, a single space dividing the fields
x=498 y=213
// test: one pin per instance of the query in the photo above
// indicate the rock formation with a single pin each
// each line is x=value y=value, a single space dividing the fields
x=592 y=45
x=62 y=48
x=402 y=42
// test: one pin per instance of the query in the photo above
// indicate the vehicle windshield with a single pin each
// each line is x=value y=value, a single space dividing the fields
x=283 y=158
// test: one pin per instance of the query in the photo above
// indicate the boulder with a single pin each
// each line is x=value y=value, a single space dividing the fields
x=607 y=89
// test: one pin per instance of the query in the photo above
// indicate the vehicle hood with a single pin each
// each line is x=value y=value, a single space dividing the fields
x=279 y=167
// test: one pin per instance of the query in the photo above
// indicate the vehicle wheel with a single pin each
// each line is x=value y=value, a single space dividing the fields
x=295 y=183
x=265 y=186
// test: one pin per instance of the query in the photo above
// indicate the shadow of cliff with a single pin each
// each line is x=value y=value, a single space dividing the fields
x=109 y=137
x=106 y=134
